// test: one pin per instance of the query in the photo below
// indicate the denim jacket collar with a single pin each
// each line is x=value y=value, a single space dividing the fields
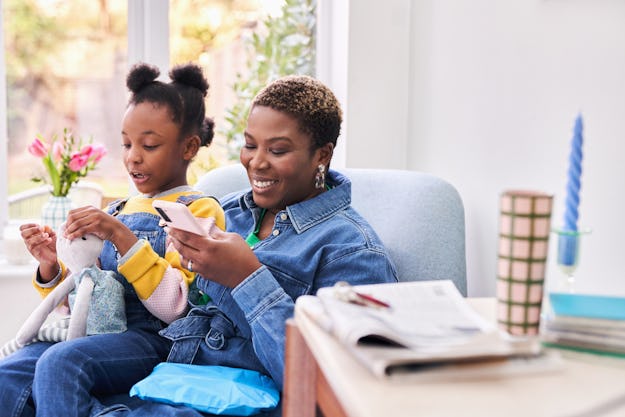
x=307 y=213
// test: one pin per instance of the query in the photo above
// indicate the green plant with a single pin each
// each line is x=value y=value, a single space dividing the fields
x=281 y=45
x=203 y=162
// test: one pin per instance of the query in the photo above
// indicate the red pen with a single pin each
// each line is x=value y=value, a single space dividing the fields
x=347 y=293
x=373 y=300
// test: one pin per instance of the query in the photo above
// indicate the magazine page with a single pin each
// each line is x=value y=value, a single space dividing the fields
x=425 y=323
x=423 y=314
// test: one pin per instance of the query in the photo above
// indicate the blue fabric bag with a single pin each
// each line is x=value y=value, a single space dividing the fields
x=210 y=389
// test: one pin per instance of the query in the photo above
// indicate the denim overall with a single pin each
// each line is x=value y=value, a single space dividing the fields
x=208 y=336
x=70 y=373
x=144 y=226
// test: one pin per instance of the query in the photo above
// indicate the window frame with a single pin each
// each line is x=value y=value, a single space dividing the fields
x=4 y=190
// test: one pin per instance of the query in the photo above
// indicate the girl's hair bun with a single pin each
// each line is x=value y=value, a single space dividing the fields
x=207 y=131
x=190 y=75
x=140 y=75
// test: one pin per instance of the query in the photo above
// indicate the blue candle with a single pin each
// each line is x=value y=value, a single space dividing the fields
x=573 y=185
x=569 y=236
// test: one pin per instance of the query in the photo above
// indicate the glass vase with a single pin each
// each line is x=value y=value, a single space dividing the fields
x=54 y=211
x=569 y=242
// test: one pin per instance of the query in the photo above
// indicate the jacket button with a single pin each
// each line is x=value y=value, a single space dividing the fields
x=276 y=232
x=283 y=216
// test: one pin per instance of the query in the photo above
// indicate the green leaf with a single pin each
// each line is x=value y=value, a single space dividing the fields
x=279 y=47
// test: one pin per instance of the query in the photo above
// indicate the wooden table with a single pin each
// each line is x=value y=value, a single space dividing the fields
x=321 y=375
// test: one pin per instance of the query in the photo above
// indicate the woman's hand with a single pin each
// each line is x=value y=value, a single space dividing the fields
x=89 y=219
x=222 y=257
x=41 y=243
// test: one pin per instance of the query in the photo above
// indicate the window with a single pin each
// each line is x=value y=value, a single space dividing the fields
x=65 y=67
x=66 y=62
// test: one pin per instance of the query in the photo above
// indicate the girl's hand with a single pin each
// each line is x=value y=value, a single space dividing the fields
x=222 y=257
x=41 y=243
x=91 y=220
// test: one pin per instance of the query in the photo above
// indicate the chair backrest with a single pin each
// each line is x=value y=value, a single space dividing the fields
x=418 y=216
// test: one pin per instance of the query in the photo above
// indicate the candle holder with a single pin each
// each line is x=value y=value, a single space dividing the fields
x=569 y=242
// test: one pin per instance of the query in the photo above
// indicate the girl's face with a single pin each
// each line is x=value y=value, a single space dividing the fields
x=154 y=157
x=280 y=164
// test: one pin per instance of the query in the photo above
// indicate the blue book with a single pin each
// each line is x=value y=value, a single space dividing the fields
x=591 y=306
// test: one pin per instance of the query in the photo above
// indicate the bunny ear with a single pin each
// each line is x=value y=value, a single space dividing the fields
x=62 y=244
x=31 y=326
x=80 y=312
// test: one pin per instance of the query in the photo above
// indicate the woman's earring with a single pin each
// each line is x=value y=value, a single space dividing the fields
x=320 y=176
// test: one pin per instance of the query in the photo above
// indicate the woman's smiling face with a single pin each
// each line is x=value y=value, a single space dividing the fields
x=279 y=159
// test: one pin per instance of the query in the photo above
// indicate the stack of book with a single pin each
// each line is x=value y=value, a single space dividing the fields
x=591 y=323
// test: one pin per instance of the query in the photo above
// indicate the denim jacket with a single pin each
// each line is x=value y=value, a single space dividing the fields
x=313 y=244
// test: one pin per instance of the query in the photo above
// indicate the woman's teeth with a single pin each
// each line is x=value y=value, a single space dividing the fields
x=263 y=184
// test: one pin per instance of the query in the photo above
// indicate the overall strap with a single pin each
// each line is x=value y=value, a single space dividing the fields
x=190 y=198
x=116 y=206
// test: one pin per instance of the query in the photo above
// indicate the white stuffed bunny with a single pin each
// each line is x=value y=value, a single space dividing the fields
x=96 y=298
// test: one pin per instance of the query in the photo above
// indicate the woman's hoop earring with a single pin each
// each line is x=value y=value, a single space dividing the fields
x=320 y=176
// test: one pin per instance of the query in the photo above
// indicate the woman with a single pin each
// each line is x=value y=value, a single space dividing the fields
x=291 y=234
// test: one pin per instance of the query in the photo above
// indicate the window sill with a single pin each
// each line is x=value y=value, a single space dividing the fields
x=10 y=270
x=18 y=297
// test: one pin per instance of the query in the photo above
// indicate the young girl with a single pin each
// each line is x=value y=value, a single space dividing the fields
x=162 y=130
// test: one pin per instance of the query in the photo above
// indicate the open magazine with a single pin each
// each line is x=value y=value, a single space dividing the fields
x=419 y=327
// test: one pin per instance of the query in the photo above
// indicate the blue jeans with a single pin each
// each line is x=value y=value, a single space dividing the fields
x=100 y=365
x=150 y=409
x=138 y=408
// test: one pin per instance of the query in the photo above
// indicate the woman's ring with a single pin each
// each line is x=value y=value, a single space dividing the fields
x=190 y=265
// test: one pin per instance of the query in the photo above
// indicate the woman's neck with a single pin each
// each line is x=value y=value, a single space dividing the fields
x=273 y=210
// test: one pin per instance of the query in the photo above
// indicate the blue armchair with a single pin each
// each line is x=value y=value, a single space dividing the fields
x=418 y=216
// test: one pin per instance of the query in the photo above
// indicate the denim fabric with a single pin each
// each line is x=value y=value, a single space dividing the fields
x=314 y=244
x=152 y=409
x=61 y=379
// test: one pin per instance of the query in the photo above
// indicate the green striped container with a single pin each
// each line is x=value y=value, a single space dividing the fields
x=524 y=228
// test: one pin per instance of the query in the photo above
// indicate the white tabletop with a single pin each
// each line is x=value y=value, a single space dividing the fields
x=585 y=386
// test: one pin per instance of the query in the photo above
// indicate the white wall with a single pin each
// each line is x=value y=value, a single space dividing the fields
x=496 y=87
x=493 y=89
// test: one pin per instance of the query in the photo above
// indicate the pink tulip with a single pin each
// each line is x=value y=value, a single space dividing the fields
x=98 y=152
x=78 y=161
x=65 y=164
x=57 y=151
x=87 y=150
x=38 y=148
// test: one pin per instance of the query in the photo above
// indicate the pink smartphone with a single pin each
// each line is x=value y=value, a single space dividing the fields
x=178 y=216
